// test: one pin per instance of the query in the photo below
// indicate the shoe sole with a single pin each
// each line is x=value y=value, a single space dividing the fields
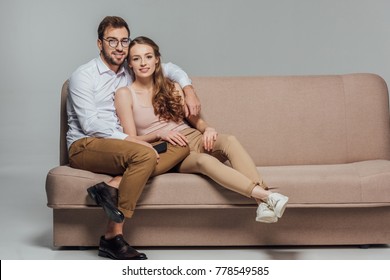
x=267 y=220
x=280 y=207
x=109 y=256
x=112 y=213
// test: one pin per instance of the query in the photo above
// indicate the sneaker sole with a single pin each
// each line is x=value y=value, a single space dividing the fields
x=267 y=220
x=280 y=207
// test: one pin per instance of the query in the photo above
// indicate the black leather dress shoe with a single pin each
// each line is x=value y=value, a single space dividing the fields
x=107 y=197
x=118 y=249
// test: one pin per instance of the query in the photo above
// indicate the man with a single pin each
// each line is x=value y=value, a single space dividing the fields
x=97 y=143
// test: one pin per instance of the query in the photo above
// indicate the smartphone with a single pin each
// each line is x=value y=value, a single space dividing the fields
x=161 y=147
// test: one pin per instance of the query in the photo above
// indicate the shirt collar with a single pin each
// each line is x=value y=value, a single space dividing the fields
x=103 y=68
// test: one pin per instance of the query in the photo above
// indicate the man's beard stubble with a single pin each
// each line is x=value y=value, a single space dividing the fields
x=109 y=59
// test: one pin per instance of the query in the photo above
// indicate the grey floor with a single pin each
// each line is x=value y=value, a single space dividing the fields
x=26 y=231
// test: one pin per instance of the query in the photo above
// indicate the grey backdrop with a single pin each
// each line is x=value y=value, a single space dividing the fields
x=42 y=42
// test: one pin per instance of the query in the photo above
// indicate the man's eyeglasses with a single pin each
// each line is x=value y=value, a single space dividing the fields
x=113 y=43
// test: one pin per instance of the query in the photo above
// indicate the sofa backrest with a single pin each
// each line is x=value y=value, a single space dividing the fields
x=63 y=125
x=293 y=120
x=297 y=120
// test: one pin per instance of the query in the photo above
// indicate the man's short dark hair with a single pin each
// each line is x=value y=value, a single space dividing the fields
x=111 y=21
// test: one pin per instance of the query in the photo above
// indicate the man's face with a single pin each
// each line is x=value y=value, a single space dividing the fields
x=114 y=56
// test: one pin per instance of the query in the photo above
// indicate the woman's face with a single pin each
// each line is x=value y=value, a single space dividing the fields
x=142 y=60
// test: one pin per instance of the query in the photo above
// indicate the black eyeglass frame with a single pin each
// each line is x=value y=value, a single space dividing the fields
x=113 y=43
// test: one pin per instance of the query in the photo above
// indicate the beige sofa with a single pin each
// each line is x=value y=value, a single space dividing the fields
x=321 y=140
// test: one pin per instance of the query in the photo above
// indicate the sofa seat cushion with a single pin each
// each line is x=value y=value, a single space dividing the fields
x=66 y=187
x=340 y=185
x=346 y=185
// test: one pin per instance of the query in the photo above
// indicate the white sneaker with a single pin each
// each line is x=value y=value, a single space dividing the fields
x=278 y=203
x=265 y=215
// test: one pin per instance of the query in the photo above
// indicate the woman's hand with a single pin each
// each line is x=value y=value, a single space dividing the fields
x=173 y=137
x=209 y=137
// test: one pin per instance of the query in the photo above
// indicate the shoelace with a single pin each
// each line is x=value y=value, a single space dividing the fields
x=122 y=242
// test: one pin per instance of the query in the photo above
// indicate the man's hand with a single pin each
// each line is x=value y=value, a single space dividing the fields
x=192 y=107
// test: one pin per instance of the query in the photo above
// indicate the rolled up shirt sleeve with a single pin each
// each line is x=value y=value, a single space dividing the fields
x=176 y=74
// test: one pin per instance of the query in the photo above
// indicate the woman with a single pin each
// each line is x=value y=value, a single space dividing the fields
x=152 y=109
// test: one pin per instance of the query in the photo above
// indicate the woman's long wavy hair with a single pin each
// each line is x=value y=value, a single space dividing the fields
x=167 y=103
